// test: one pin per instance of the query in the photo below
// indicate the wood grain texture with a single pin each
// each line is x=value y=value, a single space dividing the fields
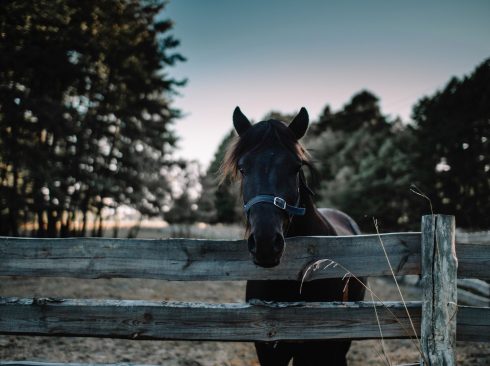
x=192 y=259
x=480 y=237
x=473 y=260
x=473 y=324
x=469 y=298
x=439 y=290
x=199 y=321
x=474 y=292
x=473 y=251
x=135 y=319
x=476 y=286
x=38 y=363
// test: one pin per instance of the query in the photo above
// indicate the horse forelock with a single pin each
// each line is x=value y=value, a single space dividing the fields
x=258 y=136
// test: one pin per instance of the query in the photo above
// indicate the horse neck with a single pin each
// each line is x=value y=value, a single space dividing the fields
x=312 y=222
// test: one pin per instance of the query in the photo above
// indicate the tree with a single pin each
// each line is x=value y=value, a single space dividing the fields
x=452 y=158
x=362 y=158
x=185 y=192
x=85 y=115
x=219 y=202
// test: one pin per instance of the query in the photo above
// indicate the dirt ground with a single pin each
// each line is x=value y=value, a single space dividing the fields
x=173 y=353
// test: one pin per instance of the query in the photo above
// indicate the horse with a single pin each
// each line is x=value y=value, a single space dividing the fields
x=267 y=158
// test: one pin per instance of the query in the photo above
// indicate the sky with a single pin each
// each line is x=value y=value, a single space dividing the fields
x=281 y=55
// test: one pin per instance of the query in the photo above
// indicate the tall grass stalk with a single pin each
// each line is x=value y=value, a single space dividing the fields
x=332 y=263
x=398 y=288
x=385 y=357
x=418 y=191
x=396 y=282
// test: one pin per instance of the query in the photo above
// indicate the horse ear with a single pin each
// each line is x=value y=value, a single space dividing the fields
x=299 y=124
x=240 y=122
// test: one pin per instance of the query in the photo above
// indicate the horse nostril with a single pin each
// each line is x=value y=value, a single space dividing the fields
x=252 y=247
x=278 y=243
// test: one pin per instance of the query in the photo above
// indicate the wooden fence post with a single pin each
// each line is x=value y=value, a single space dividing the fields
x=439 y=279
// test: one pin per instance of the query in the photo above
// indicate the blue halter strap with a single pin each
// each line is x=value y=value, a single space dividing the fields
x=276 y=201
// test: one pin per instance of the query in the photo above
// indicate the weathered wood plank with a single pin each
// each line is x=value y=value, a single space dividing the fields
x=38 y=363
x=473 y=250
x=439 y=290
x=468 y=298
x=474 y=285
x=225 y=322
x=480 y=237
x=473 y=260
x=474 y=292
x=473 y=324
x=198 y=321
x=191 y=259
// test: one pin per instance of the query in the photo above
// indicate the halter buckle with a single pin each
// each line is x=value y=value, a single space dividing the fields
x=280 y=202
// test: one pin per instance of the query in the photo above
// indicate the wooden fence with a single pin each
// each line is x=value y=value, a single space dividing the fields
x=434 y=253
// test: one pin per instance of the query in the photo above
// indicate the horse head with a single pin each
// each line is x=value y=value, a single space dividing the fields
x=267 y=157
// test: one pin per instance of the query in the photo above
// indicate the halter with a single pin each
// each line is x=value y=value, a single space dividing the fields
x=276 y=201
x=281 y=202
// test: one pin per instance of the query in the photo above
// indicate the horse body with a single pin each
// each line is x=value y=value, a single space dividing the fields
x=321 y=221
x=269 y=157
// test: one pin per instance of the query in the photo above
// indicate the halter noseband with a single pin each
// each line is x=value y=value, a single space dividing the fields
x=276 y=201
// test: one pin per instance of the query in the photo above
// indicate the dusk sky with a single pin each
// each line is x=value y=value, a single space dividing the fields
x=282 y=55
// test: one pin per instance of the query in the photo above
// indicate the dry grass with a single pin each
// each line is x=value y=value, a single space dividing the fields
x=327 y=263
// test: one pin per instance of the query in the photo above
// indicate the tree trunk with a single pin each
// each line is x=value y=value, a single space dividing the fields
x=85 y=201
x=52 y=221
x=134 y=230
x=99 y=229
x=115 y=229
x=41 y=225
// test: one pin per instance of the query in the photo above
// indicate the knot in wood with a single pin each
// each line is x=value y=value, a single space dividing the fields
x=312 y=249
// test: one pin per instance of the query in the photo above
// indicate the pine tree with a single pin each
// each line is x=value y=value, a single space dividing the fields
x=85 y=114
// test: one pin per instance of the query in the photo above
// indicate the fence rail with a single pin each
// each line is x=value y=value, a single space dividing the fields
x=218 y=260
x=263 y=321
x=472 y=291
x=435 y=253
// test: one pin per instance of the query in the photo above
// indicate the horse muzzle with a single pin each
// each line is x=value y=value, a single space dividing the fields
x=266 y=251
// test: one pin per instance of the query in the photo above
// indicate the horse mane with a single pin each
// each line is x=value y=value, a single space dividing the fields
x=255 y=138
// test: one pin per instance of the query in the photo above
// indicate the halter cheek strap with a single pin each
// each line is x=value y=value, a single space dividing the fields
x=276 y=201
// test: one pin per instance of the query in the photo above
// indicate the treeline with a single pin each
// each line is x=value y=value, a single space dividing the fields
x=373 y=166
x=86 y=130
x=85 y=114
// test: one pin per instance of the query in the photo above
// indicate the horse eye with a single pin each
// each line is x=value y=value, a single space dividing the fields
x=242 y=170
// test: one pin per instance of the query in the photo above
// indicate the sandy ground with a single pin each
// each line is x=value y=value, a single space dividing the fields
x=179 y=353
x=173 y=353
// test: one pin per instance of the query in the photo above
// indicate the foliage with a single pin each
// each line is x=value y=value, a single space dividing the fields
x=185 y=186
x=219 y=202
x=85 y=115
x=362 y=160
x=453 y=160
x=368 y=163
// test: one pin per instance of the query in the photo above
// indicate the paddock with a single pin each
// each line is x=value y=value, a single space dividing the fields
x=205 y=260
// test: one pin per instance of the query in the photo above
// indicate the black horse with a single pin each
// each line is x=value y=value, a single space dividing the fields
x=268 y=159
